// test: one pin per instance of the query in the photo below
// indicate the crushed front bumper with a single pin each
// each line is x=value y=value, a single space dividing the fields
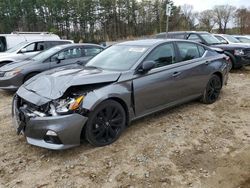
x=66 y=128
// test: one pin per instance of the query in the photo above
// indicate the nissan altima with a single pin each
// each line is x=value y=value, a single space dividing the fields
x=59 y=108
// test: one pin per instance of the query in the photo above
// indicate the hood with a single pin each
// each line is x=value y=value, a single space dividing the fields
x=14 y=65
x=52 y=84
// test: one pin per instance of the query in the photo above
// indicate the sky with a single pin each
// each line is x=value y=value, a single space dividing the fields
x=200 y=5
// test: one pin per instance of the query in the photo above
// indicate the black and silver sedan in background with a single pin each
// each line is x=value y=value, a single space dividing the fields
x=60 y=107
x=13 y=75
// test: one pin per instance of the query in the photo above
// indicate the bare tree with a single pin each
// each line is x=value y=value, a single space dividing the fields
x=242 y=20
x=223 y=14
x=206 y=20
x=188 y=16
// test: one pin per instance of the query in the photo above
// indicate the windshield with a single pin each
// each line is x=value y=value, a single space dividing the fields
x=232 y=39
x=210 y=39
x=118 y=57
x=46 y=54
x=17 y=47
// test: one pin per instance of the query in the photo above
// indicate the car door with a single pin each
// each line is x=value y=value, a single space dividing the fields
x=154 y=89
x=174 y=81
x=70 y=56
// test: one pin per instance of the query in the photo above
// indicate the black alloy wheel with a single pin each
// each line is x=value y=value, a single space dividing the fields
x=105 y=123
x=212 y=90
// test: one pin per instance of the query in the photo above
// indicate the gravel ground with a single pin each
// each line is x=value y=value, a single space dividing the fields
x=193 y=145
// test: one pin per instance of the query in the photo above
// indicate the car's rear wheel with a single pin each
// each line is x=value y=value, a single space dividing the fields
x=105 y=123
x=212 y=90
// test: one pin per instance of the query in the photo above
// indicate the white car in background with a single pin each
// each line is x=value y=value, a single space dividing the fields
x=8 y=41
x=227 y=39
x=243 y=38
x=26 y=50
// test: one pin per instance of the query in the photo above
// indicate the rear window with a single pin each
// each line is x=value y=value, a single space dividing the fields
x=3 y=46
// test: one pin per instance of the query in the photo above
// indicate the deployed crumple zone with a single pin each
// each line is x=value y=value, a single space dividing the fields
x=59 y=108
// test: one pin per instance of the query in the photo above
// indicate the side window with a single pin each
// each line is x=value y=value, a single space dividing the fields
x=162 y=55
x=30 y=48
x=91 y=51
x=68 y=54
x=40 y=46
x=194 y=37
x=188 y=51
x=201 y=50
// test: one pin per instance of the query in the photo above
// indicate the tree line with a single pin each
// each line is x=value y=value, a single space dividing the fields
x=109 y=20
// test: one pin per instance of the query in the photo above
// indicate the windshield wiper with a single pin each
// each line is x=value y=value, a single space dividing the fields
x=93 y=67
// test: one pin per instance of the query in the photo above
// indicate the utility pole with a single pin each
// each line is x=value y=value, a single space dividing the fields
x=168 y=13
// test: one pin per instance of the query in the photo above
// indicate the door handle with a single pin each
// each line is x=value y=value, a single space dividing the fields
x=176 y=74
x=207 y=62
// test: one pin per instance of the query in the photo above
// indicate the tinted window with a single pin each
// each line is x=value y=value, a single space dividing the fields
x=188 y=51
x=194 y=37
x=3 y=46
x=40 y=46
x=162 y=55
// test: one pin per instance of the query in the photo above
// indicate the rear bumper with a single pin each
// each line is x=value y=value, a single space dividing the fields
x=11 y=83
x=67 y=129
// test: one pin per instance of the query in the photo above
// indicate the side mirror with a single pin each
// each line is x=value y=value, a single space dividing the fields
x=23 y=50
x=147 y=66
x=60 y=58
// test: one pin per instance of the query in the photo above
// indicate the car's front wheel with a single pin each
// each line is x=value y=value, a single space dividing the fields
x=212 y=90
x=105 y=123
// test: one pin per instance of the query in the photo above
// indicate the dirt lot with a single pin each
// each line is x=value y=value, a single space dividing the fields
x=194 y=145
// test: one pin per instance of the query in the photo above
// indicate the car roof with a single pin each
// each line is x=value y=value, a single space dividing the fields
x=149 y=42
x=80 y=44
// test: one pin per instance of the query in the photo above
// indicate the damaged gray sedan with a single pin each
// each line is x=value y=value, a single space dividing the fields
x=59 y=108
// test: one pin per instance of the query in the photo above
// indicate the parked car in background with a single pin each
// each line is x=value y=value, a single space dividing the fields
x=227 y=39
x=8 y=41
x=27 y=50
x=239 y=53
x=242 y=38
x=13 y=75
x=60 y=107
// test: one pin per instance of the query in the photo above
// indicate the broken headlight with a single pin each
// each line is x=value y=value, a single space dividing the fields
x=63 y=106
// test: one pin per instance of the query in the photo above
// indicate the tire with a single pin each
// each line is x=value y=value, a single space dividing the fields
x=105 y=123
x=230 y=62
x=212 y=91
x=29 y=76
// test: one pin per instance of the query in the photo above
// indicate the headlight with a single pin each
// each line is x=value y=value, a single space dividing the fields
x=12 y=73
x=239 y=52
x=70 y=104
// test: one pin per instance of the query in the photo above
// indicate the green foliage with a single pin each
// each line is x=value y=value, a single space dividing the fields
x=89 y=20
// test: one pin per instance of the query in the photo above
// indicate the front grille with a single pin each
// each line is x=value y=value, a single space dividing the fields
x=247 y=52
x=2 y=74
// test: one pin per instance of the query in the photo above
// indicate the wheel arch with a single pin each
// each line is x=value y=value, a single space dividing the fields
x=220 y=75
